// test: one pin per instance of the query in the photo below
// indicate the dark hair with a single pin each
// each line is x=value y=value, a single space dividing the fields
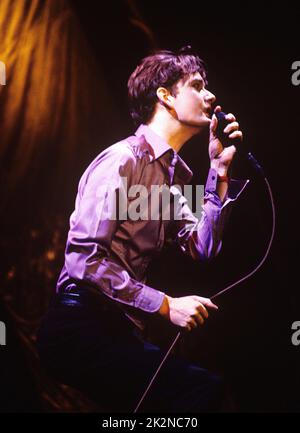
x=160 y=69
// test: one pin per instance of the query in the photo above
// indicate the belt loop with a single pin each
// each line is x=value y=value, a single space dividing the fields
x=70 y=287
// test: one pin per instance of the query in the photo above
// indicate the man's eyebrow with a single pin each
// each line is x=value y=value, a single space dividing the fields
x=197 y=81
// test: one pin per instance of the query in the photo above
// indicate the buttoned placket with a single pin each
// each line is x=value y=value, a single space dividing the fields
x=172 y=167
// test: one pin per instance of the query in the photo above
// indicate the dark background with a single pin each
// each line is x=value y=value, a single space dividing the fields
x=249 y=52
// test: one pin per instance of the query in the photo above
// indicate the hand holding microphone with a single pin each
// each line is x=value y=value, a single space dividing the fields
x=228 y=129
x=224 y=137
x=225 y=129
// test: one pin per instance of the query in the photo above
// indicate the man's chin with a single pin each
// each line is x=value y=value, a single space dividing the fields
x=199 y=125
x=194 y=125
x=207 y=118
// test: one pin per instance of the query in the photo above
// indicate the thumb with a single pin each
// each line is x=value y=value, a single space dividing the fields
x=206 y=302
x=213 y=123
x=214 y=120
x=210 y=304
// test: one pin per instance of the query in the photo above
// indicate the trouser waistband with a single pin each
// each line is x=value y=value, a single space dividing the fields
x=80 y=294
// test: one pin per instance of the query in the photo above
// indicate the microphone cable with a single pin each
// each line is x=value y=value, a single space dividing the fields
x=259 y=169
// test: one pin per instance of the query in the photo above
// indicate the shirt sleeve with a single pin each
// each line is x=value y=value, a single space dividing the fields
x=202 y=238
x=92 y=227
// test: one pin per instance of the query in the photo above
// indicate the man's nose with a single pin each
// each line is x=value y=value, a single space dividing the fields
x=210 y=97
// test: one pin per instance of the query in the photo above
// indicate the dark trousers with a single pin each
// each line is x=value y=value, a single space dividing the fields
x=95 y=349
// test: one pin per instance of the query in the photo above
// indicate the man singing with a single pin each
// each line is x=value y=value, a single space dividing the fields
x=93 y=334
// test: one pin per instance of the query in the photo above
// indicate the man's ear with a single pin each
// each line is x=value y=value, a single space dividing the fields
x=165 y=97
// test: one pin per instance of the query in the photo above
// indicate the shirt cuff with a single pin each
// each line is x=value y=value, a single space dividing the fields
x=150 y=299
x=235 y=188
x=211 y=182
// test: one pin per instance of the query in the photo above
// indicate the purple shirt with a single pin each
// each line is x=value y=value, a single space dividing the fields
x=113 y=254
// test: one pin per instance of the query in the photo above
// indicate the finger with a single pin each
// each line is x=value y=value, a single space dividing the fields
x=233 y=126
x=202 y=310
x=230 y=151
x=214 y=120
x=230 y=117
x=199 y=319
x=236 y=134
x=217 y=109
x=211 y=305
x=213 y=123
x=206 y=301
x=192 y=323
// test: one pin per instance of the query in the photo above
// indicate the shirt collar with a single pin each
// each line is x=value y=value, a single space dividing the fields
x=158 y=147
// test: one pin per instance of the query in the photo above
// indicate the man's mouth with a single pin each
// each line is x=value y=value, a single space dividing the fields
x=208 y=113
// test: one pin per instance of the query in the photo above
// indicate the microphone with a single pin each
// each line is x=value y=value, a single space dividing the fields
x=226 y=141
x=223 y=137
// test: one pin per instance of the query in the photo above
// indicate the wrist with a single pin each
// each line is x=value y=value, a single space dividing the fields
x=224 y=178
x=220 y=169
x=164 y=309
